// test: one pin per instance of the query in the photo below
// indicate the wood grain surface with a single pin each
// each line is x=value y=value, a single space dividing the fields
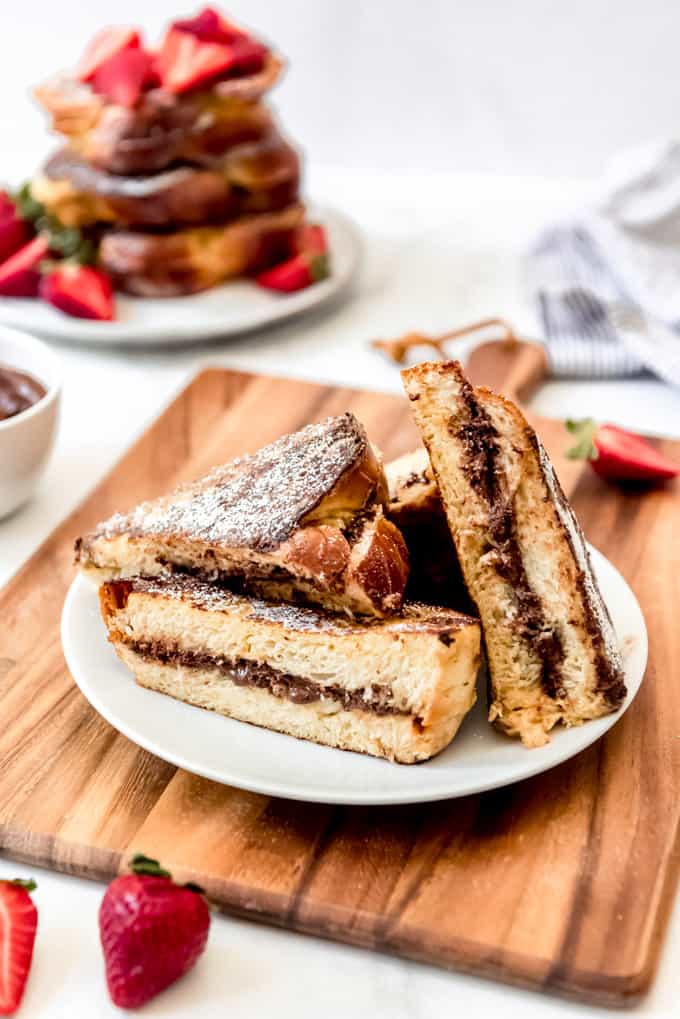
x=563 y=882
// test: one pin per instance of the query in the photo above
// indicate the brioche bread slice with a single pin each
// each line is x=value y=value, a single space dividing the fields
x=300 y=520
x=253 y=176
x=551 y=648
x=195 y=258
x=162 y=128
x=396 y=688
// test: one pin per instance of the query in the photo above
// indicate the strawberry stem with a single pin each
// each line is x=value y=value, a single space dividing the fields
x=319 y=267
x=21 y=882
x=67 y=242
x=141 y=864
x=584 y=433
x=193 y=887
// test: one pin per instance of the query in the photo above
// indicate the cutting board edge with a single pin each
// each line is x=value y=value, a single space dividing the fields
x=621 y=991
x=462 y=956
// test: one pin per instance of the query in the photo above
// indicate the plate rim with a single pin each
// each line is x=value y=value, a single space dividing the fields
x=103 y=335
x=594 y=729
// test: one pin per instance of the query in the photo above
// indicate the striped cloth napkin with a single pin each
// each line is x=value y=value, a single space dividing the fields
x=608 y=286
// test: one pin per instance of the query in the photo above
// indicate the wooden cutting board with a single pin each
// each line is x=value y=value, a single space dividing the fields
x=563 y=882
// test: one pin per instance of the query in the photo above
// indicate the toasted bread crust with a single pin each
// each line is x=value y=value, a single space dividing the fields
x=301 y=520
x=397 y=688
x=550 y=644
x=162 y=128
x=252 y=177
x=195 y=258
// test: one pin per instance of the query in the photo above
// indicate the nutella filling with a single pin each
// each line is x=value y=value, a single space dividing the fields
x=480 y=442
x=18 y=392
x=243 y=672
x=610 y=681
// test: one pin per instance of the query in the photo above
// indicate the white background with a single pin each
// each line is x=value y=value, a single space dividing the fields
x=526 y=86
x=415 y=94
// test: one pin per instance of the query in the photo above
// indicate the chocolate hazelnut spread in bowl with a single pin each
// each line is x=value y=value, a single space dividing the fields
x=18 y=391
x=30 y=383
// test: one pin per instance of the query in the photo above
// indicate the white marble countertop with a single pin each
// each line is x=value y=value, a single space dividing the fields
x=440 y=251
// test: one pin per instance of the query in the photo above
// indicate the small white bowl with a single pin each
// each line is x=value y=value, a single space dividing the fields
x=26 y=439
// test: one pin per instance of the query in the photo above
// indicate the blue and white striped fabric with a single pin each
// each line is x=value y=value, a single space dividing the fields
x=608 y=287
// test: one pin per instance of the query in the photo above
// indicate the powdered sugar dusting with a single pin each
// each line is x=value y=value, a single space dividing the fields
x=256 y=501
x=415 y=617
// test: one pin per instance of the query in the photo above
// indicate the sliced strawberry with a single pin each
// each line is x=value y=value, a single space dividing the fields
x=105 y=45
x=79 y=290
x=18 y=924
x=124 y=76
x=153 y=77
x=19 y=276
x=210 y=26
x=618 y=455
x=7 y=207
x=186 y=62
x=249 y=56
x=14 y=233
x=295 y=274
x=311 y=238
x=152 y=932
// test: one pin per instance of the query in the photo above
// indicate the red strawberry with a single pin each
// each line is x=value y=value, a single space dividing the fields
x=105 y=45
x=311 y=238
x=19 y=275
x=18 y=923
x=7 y=207
x=14 y=233
x=209 y=26
x=152 y=932
x=185 y=62
x=296 y=273
x=618 y=455
x=124 y=76
x=79 y=290
x=248 y=56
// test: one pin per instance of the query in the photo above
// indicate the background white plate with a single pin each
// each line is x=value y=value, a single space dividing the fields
x=228 y=310
x=245 y=756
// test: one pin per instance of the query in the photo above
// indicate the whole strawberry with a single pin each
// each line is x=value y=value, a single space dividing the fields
x=152 y=932
x=618 y=455
x=18 y=923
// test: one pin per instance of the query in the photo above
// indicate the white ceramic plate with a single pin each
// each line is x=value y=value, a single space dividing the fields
x=245 y=756
x=229 y=310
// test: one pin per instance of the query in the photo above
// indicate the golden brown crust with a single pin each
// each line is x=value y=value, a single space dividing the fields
x=162 y=128
x=252 y=177
x=301 y=520
x=196 y=258
x=552 y=651
x=397 y=687
x=378 y=568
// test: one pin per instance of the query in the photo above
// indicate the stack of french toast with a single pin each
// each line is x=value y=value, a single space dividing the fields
x=171 y=159
x=305 y=589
